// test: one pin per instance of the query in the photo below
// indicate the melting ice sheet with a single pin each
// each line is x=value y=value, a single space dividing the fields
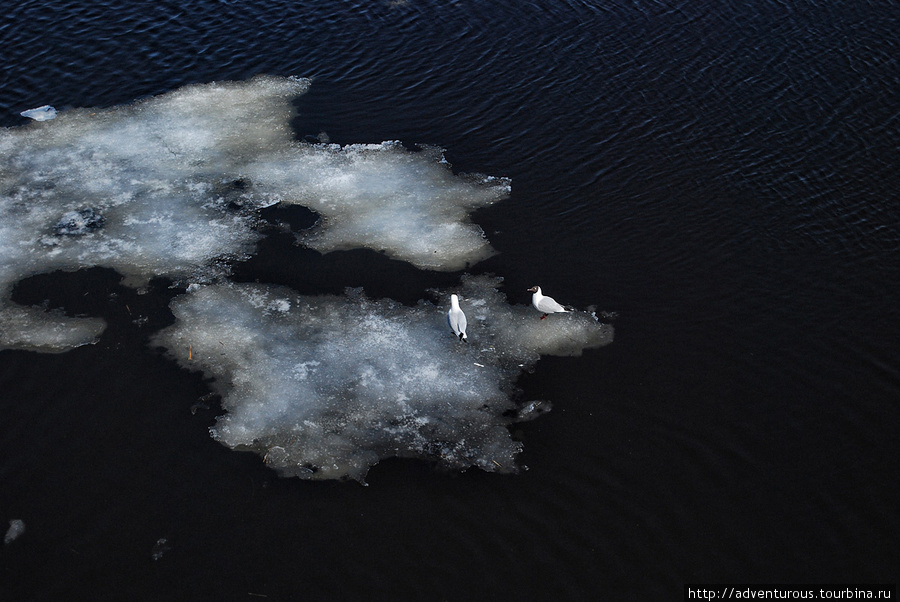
x=170 y=186
x=326 y=386
x=321 y=387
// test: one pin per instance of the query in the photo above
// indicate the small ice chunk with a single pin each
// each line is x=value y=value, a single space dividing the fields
x=160 y=548
x=45 y=331
x=44 y=113
x=172 y=186
x=16 y=528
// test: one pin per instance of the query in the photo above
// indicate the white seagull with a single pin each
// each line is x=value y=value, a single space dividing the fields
x=457 y=319
x=545 y=305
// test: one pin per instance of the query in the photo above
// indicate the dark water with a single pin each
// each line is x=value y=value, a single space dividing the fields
x=723 y=175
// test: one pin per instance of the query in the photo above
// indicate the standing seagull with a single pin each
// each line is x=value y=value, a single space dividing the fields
x=545 y=305
x=457 y=319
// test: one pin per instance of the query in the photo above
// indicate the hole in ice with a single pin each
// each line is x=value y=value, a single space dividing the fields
x=294 y=217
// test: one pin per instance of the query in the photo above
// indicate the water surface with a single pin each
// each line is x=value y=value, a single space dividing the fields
x=722 y=176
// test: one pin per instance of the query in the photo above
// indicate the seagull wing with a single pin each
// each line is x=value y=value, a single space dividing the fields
x=548 y=305
x=457 y=321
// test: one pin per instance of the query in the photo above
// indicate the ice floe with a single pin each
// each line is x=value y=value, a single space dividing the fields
x=384 y=197
x=324 y=387
x=171 y=186
x=320 y=386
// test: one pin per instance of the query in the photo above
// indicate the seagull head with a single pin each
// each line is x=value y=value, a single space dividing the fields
x=534 y=289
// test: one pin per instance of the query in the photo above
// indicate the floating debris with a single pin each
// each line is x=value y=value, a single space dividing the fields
x=16 y=528
x=160 y=548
